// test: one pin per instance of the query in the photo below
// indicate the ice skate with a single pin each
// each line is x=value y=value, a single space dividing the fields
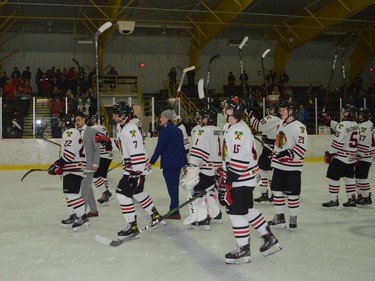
x=293 y=223
x=69 y=221
x=202 y=225
x=262 y=198
x=80 y=223
x=331 y=205
x=240 y=255
x=131 y=230
x=156 y=219
x=218 y=219
x=351 y=204
x=271 y=244
x=278 y=221
x=106 y=196
x=364 y=202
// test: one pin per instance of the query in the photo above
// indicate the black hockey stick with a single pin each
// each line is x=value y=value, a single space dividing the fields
x=85 y=172
x=334 y=61
x=208 y=78
x=115 y=243
x=77 y=63
x=343 y=74
x=241 y=64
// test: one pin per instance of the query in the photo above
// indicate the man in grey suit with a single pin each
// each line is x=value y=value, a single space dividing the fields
x=92 y=149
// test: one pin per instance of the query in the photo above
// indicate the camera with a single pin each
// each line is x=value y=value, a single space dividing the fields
x=125 y=27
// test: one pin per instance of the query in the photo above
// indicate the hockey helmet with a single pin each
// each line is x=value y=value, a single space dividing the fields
x=94 y=118
x=289 y=104
x=123 y=108
x=273 y=109
x=69 y=120
x=348 y=111
x=237 y=105
x=206 y=113
x=196 y=116
x=365 y=112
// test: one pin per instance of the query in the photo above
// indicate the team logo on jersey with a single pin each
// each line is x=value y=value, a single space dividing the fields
x=200 y=132
x=302 y=130
x=363 y=130
x=341 y=125
x=238 y=135
x=281 y=140
x=133 y=133
x=69 y=134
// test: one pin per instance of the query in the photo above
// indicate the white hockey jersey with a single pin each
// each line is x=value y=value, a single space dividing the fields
x=139 y=125
x=104 y=153
x=291 y=136
x=268 y=127
x=184 y=134
x=345 y=141
x=130 y=144
x=206 y=151
x=73 y=152
x=240 y=155
x=366 y=144
x=195 y=128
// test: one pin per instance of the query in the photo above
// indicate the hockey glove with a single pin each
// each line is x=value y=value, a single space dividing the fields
x=285 y=154
x=55 y=169
x=326 y=119
x=102 y=138
x=219 y=177
x=134 y=179
x=328 y=157
x=225 y=197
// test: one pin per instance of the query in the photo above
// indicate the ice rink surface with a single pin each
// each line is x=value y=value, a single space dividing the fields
x=328 y=245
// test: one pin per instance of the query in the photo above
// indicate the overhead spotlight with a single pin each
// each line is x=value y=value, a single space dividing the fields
x=290 y=39
x=125 y=27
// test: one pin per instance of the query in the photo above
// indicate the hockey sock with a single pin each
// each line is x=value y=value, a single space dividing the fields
x=278 y=201
x=263 y=186
x=101 y=184
x=257 y=221
x=363 y=187
x=241 y=229
x=145 y=201
x=75 y=203
x=350 y=186
x=333 y=188
x=127 y=207
x=293 y=205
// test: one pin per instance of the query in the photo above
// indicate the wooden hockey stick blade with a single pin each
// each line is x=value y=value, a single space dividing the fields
x=201 y=88
x=243 y=42
x=265 y=53
x=187 y=69
x=214 y=57
x=33 y=170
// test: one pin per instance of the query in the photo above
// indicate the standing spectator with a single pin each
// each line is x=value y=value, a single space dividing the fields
x=287 y=162
x=113 y=80
x=69 y=166
x=15 y=73
x=231 y=79
x=237 y=182
x=284 y=79
x=9 y=93
x=244 y=78
x=270 y=79
x=302 y=115
x=341 y=157
x=26 y=74
x=364 y=157
x=172 y=75
x=38 y=78
x=92 y=149
x=170 y=148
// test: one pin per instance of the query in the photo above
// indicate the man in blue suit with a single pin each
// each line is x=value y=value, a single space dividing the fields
x=170 y=148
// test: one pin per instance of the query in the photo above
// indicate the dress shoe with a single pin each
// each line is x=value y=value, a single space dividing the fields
x=92 y=214
x=174 y=217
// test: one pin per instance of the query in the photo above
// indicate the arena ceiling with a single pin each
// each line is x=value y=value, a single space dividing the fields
x=289 y=23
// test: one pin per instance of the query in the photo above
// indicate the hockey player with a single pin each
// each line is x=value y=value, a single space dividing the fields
x=239 y=178
x=70 y=165
x=366 y=148
x=268 y=127
x=177 y=120
x=204 y=159
x=287 y=162
x=135 y=158
x=197 y=119
x=106 y=157
x=341 y=157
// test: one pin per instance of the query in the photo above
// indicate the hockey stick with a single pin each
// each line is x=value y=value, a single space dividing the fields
x=241 y=64
x=115 y=243
x=114 y=167
x=262 y=60
x=208 y=78
x=184 y=71
x=76 y=62
x=85 y=172
x=334 y=61
x=343 y=74
x=47 y=140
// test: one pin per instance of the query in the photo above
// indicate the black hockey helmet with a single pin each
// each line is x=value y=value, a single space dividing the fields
x=289 y=104
x=273 y=109
x=123 y=108
x=209 y=114
x=349 y=111
x=196 y=116
x=237 y=105
x=69 y=121
x=365 y=112
x=94 y=118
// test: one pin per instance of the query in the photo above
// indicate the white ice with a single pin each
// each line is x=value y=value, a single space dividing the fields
x=328 y=245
